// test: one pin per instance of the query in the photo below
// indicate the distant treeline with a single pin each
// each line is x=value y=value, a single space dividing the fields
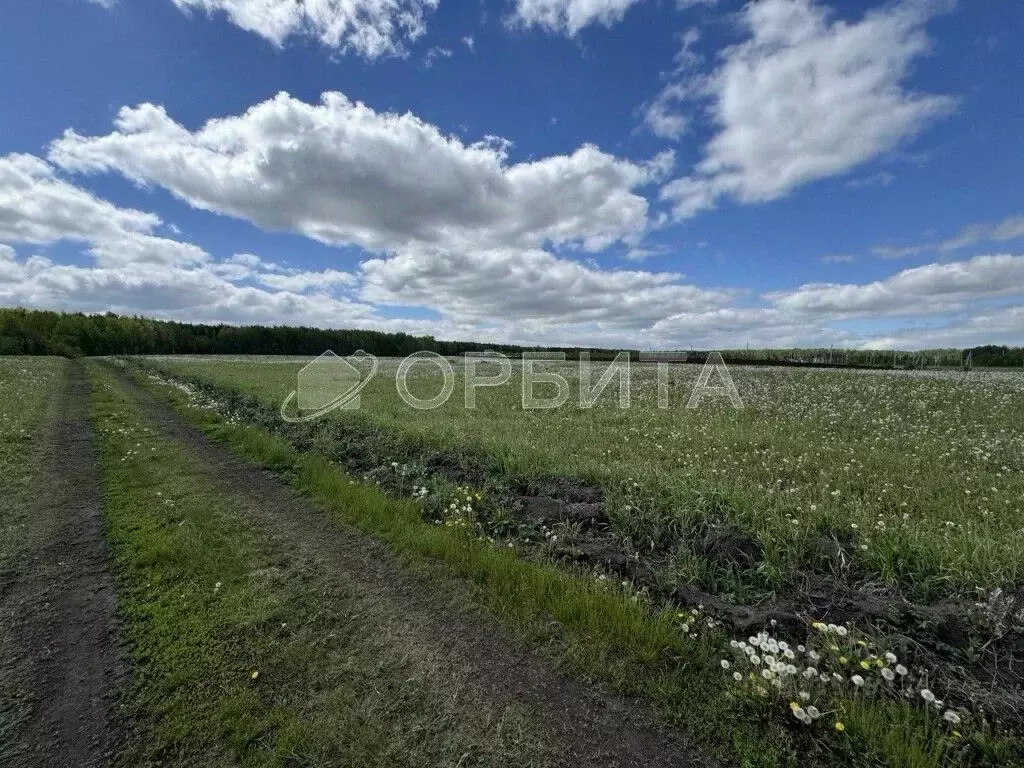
x=32 y=332
x=989 y=355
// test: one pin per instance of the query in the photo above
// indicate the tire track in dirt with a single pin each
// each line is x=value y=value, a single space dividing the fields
x=586 y=727
x=59 y=632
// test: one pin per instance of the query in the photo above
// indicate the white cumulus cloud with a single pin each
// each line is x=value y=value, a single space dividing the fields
x=135 y=271
x=370 y=28
x=920 y=290
x=531 y=285
x=804 y=97
x=342 y=173
x=568 y=17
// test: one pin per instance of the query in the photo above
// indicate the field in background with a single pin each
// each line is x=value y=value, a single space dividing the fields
x=913 y=479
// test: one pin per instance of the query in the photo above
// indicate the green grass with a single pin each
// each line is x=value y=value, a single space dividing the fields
x=924 y=472
x=208 y=600
x=28 y=392
x=598 y=630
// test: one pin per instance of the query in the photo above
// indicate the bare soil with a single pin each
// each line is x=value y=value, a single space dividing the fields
x=586 y=726
x=58 y=640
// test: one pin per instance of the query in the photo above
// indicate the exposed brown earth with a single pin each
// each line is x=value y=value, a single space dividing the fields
x=59 y=637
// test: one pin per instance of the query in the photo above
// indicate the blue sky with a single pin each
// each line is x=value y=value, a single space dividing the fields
x=616 y=172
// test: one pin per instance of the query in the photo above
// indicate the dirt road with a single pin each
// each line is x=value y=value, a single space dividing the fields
x=586 y=727
x=58 y=638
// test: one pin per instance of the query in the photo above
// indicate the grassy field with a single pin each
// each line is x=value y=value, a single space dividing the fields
x=923 y=473
x=905 y=486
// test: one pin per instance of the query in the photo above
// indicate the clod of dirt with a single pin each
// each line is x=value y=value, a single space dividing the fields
x=730 y=548
x=576 y=492
x=692 y=596
x=589 y=515
x=457 y=469
x=746 y=618
x=743 y=619
x=952 y=624
x=540 y=509
x=567 y=489
x=607 y=556
x=828 y=601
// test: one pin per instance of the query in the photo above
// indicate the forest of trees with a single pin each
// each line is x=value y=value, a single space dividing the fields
x=32 y=332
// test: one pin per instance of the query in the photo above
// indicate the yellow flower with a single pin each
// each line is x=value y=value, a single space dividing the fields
x=794 y=706
x=254 y=675
x=840 y=727
x=879 y=663
x=862 y=644
x=842 y=659
x=865 y=665
x=957 y=735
